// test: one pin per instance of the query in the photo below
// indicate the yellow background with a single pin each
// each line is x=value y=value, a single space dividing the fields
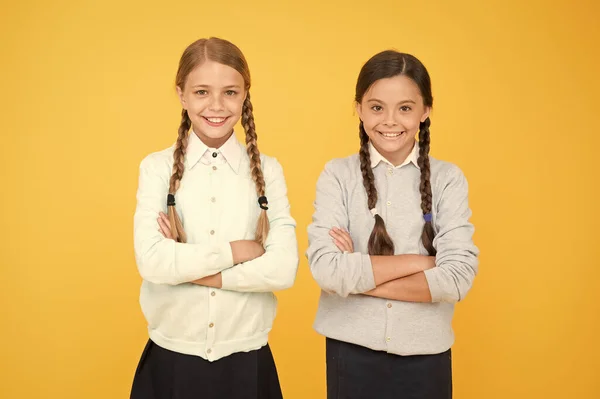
x=86 y=91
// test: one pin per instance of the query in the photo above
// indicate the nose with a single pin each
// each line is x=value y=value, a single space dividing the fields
x=216 y=103
x=389 y=120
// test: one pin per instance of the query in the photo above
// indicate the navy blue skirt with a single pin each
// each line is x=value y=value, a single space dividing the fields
x=164 y=374
x=356 y=372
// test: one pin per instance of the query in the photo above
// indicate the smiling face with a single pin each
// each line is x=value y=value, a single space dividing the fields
x=391 y=111
x=213 y=95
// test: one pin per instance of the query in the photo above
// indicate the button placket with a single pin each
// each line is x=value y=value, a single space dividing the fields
x=388 y=328
x=213 y=298
x=212 y=198
x=385 y=194
x=210 y=324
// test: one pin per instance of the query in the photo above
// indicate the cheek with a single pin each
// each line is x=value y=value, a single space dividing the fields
x=235 y=105
x=196 y=104
x=411 y=123
x=370 y=121
x=370 y=125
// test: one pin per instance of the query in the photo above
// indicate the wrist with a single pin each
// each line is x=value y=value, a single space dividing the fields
x=237 y=252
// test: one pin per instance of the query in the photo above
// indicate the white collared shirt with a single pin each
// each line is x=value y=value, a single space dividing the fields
x=376 y=157
x=217 y=204
x=230 y=152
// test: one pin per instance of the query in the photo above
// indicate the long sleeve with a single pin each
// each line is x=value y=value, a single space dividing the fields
x=161 y=260
x=276 y=268
x=334 y=271
x=456 y=259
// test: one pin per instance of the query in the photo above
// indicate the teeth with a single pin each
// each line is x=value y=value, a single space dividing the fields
x=215 y=120
x=390 y=134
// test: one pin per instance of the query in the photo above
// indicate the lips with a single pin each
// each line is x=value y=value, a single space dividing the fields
x=391 y=135
x=215 y=121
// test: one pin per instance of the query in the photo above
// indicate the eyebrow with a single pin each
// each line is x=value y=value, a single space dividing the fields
x=210 y=87
x=382 y=102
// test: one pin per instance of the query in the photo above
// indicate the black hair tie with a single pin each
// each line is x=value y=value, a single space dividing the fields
x=170 y=200
x=263 y=202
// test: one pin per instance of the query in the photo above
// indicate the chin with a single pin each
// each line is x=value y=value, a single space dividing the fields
x=216 y=134
x=388 y=146
x=213 y=132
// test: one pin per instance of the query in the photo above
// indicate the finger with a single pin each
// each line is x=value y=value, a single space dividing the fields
x=166 y=219
x=161 y=226
x=336 y=236
x=344 y=239
x=340 y=245
x=164 y=229
x=345 y=236
x=336 y=231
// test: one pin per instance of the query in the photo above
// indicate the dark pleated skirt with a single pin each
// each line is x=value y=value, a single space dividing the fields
x=164 y=374
x=356 y=372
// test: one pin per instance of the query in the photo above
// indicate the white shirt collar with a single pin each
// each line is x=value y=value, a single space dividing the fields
x=230 y=152
x=376 y=157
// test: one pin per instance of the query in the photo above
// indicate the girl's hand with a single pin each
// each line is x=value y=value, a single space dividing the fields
x=245 y=250
x=164 y=225
x=342 y=239
x=214 y=281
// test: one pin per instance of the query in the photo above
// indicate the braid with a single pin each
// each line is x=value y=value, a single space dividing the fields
x=178 y=167
x=380 y=242
x=262 y=227
x=365 y=168
x=425 y=186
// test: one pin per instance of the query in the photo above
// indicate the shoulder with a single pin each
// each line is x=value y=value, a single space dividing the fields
x=159 y=162
x=444 y=173
x=271 y=167
x=343 y=169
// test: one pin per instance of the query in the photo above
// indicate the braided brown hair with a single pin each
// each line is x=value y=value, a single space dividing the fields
x=226 y=53
x=262 y=227
x=388 y=64
x=380 y=242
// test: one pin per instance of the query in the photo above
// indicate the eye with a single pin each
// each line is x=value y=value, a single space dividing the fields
x=376 y=108
x=405 y=108
x=201 y=92
x=230 y=93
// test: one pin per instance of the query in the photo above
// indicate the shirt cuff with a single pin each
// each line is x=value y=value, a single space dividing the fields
x=229 y=279
x=434 y=286
x=367 y=279
x=226 y=255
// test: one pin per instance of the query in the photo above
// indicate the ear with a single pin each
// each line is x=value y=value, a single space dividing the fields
x=426 y=114
x=359 y=111
x=181 y=98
